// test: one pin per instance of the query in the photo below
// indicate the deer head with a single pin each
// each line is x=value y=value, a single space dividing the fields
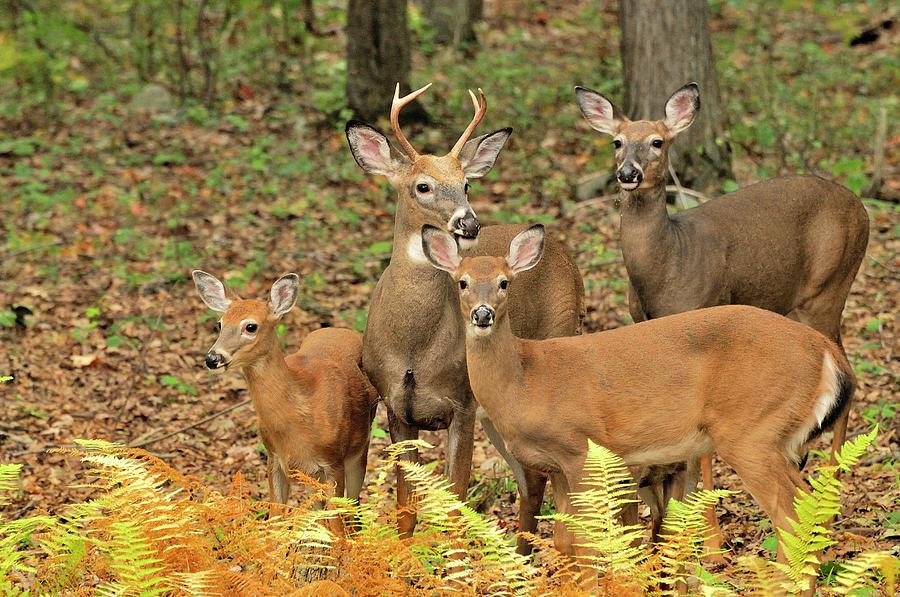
x=483 y=281
x=247 y=327
x=432 y=190
x=642 y=146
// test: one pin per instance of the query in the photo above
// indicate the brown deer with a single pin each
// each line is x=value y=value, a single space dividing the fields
x=753 y=385
x=791 y=245
x=314 y=407
x=414 y=343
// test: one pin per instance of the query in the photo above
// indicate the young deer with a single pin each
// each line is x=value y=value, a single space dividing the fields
x=791 y=245
x=314 y=407
x=754 y=386
x=414 y=346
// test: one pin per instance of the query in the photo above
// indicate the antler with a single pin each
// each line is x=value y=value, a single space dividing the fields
x=480 y=109
x=396 y=106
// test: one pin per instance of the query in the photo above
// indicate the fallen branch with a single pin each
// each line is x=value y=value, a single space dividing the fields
x=147 y=442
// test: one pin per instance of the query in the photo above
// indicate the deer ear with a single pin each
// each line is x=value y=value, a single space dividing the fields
x=211 y=290
x=440 y=249
x=370 y=148
x=526 y=249
x=682 y=107
x=479 y=154
x=284 y=294
x=600 y=113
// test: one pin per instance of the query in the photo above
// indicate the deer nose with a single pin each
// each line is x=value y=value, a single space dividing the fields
x=483 y=316
x=628 y=173
x=466 y=225
x=213 y=360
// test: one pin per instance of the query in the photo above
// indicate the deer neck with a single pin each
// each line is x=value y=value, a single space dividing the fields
x=647 y=233
x=495 y=370
x=272 y=387
x=408 y=261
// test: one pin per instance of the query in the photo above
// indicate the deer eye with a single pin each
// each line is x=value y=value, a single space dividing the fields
x=466 y=189
x=657 y=143
x=423 y=188
x=504 y=284
x=617 y=143
x=463 y=284
x=218 y=326
x=251 y=328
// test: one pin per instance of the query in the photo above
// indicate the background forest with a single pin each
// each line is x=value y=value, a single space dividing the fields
x=140 y=139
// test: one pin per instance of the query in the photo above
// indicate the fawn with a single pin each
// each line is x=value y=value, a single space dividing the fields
x=314 y=407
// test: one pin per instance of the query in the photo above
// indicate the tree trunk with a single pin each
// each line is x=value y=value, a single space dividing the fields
x=664 y=46
x=453 y=20
x=378 y=58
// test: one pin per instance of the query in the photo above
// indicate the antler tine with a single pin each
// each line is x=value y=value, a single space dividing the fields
x=396 y=106
x=480 y=110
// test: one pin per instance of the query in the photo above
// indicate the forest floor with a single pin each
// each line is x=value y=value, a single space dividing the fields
x=106 y=212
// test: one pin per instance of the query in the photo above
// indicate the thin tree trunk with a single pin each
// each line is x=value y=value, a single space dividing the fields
x=453 y=20
x=664 y=46
x=378 y=58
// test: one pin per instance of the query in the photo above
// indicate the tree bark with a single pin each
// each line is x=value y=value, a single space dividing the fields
x=664 y=46
x=453 y=20
x=378 y=58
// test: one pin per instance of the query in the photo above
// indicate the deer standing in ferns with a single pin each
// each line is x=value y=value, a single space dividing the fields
x=792 y=245
x=315 y=407
x=414 y=343
x=754 y=386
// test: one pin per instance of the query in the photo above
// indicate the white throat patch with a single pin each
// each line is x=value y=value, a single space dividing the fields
x=414 y=249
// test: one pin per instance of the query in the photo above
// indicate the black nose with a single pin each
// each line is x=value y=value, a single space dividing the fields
x=466 y=225
x=628 y=173
x=483 y=316
x=212 y=360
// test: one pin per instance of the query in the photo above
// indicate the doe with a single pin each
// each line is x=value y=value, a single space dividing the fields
x=754 y=386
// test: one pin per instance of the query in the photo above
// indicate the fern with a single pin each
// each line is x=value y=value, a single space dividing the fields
x=815 y=509
x=860 y=572
x=611 y=545
x=684 y=531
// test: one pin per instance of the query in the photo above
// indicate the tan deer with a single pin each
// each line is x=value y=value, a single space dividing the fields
x=792 y=245
x=315 y=407
x=414 y=343
x=752 y=385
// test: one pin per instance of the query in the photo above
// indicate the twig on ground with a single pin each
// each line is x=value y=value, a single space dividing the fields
x=24 y=250
x=147 y=442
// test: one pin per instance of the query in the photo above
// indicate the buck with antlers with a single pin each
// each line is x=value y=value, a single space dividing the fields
x=791 y=245
x=315 y=407
x=414 y=343
x=752 y=385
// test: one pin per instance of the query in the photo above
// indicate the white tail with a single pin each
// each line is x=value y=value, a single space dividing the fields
x=748 y=383
x=315 y=407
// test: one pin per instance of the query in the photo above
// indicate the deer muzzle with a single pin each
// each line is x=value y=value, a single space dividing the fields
x=214 y=360
x=630 y=176
x=465 y=224
x=483 y=316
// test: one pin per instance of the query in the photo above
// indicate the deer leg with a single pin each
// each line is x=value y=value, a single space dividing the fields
x=460 y=443
x=355 y=475
x=279 y=482
x=563 y=538
x=530 y=500
x=530 y=483
x=713 y=543
x=406 y=515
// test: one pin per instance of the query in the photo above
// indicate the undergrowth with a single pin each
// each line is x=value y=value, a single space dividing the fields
x=148 y=530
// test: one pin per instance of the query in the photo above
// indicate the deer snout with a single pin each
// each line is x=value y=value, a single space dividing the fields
x=465 y=224
x=483 y=316
x=629 y=175
x=215 y=360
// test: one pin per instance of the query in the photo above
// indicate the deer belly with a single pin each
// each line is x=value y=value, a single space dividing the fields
x=687 y=447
